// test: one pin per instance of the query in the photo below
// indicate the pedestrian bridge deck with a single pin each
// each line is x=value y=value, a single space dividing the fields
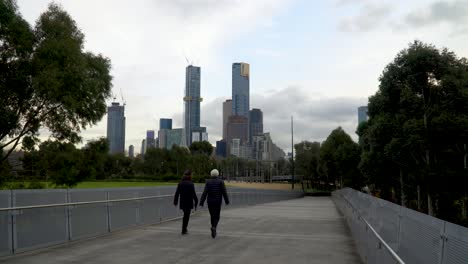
x=307 y=230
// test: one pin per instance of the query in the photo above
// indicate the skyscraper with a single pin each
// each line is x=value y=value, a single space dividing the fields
x=116 y=128
x=150 y=140
x=131 y=151
x=240 y=89
x=143 y=147
x=175 y=137
x=255 y=123
x=362 y=114
x=227 y=112
x=192 y=101
x=237 y=127
x=165 y=123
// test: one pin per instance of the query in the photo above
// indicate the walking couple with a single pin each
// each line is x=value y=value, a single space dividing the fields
x=214 y=192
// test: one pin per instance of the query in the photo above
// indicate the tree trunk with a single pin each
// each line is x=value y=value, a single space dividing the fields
x=430 y=209
x=419 y=198
x=402 y=191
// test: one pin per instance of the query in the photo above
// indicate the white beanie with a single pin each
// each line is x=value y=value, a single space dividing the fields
x=214 y=173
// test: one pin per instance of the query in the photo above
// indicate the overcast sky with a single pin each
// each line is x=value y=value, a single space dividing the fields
x=315 y=60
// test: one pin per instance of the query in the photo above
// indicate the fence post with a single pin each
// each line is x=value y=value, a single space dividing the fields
x=12 y=224
x=443 y=236
x=108 y=213
x=400 y=216
x=69 y=214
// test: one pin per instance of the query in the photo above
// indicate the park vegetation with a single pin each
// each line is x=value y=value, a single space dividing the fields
x=411 y=151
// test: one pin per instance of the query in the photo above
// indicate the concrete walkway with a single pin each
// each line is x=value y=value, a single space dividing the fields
x=308 y=230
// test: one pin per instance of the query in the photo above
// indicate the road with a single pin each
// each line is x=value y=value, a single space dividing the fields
x=307 y=230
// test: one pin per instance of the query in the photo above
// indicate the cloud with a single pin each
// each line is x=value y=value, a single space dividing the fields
x=369 y=17
x=455 y=12
x=314 y=116
x=147 y=41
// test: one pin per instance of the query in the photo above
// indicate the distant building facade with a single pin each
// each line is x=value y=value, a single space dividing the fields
x=116 y=128
x=255 y=123
x=362 y=114
x=264 y=149
x=143 y=147
x=237 y=127
x=131 y=151
x=175 y=137
x=227 y=112
x=192 y=101
x=165 y=123
x=199 y=134
x=150 y=140
x=240 y=89
x=221 y=148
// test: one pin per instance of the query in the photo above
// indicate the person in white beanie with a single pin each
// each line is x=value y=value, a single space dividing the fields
x=214 y=192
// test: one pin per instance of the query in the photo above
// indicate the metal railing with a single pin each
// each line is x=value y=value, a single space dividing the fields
x=32 y=219
x=385 y=232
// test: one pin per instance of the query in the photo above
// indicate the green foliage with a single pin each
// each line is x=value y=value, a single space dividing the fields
x=339 y=157
x=307 y=160
x=46 y=79
x=417 y=128
x=202 y=147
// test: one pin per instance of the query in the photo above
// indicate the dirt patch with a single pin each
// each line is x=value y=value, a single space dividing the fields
x=267 y=186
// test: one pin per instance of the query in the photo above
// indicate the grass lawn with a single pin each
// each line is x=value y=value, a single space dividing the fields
x=105 y=184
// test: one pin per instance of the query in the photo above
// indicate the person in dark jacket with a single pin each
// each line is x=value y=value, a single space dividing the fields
x=214 y=191
x=188 y=197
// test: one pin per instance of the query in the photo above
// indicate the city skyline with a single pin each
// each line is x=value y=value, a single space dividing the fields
x=316 y=61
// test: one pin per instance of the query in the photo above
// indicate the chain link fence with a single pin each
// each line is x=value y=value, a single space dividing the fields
x=388 y=233
x=32 y=219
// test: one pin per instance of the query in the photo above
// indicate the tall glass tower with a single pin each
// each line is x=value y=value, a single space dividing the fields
x=240 y=89
x=192 y=101
x=116 y=128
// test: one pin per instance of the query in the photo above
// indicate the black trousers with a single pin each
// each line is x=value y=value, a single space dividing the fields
x=215 y=211
x=185 y=219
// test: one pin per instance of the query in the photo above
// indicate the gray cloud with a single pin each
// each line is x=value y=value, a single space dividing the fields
x=369 y=17
x=314 y=116
x=441 y=11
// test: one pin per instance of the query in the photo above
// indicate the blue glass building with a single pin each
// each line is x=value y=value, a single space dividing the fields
x=116 y=128
x=165 y=123
x=192 y=101
x=221 y=148
x=240 y=89
x=255 y=123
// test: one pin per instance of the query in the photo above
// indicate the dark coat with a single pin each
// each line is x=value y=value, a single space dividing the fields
x=188 y=196
x=215 y=190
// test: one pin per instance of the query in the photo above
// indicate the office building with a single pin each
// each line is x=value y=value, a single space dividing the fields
x=131 y=151
x=362 y=114
x=116 y=128
x=143 y=147
x=265 y=150
x=192 y=101
x=237 y=127
x=240 y=89
x=175 y=137
x=199 y=134
x=165 y=123
x=162 y=138
x=150 y=140
x=227 y=112
x=221 y=149
x=240 y=149
x=255 y=123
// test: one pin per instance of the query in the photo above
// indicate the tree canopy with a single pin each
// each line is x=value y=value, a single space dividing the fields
x=47 y=80
x=417 y=130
